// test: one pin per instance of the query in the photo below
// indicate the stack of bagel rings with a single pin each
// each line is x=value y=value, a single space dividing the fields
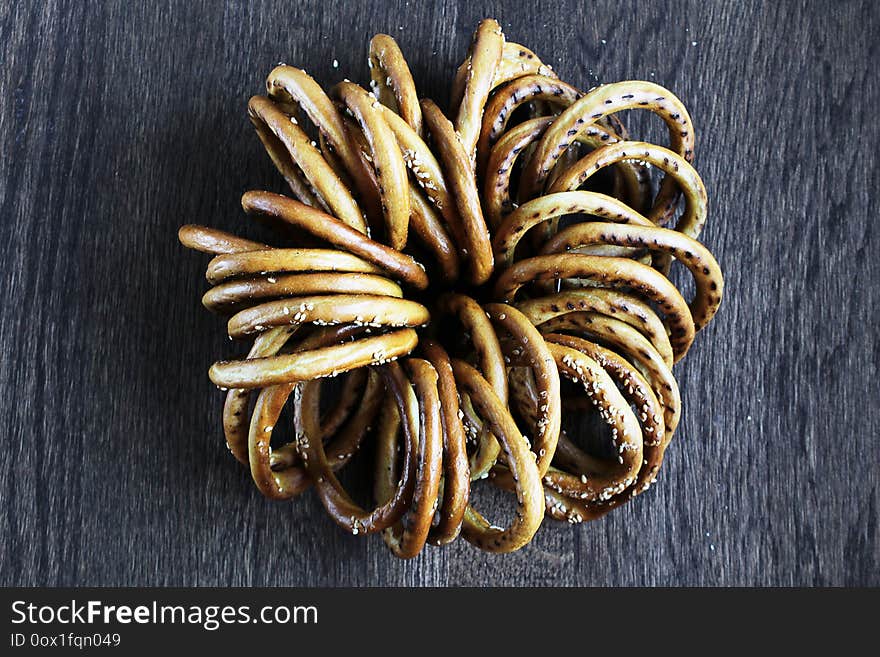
x=456 y=292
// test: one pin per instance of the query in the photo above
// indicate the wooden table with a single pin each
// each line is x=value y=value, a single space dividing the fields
x=123 y=120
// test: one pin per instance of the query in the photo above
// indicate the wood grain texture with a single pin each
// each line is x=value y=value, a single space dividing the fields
x=122 y=120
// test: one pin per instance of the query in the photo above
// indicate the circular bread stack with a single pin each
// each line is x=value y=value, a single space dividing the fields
x=472 y=281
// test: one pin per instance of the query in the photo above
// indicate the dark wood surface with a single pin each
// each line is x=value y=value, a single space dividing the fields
x=122 y=120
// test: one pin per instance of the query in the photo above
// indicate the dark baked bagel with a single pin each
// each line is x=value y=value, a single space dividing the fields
x=533 y=288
